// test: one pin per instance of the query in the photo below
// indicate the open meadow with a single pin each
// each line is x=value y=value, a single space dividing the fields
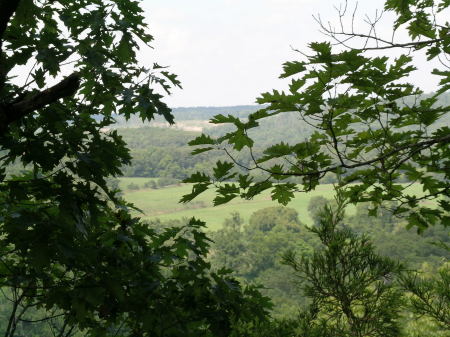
x=163 y=203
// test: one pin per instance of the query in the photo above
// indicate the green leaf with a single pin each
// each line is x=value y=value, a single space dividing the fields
x=257 y=188
x=201 y=150
x=283 y=193
x=245 y=181
x=125 y=51
x=238 y=139
x=221 y=199
x=222 y=169
x=197 y=177
x=197 y=189
x=292 y=68
x=202 y=140
x=221 y=119
x=276 y=151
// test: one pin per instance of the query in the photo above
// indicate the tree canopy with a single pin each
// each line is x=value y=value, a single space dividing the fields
x=70 y=252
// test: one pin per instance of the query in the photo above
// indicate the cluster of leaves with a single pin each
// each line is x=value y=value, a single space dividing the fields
x=68 y=245
x=365 y=129
x=127 y=280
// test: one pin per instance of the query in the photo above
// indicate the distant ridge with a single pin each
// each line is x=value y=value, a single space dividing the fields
x=196 y=119
x=203 y=113
x=200 y=113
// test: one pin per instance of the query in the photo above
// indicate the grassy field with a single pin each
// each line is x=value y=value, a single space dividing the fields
x=163 y=203
x=125 y=181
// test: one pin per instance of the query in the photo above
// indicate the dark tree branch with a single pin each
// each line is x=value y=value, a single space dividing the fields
x=388 y=44
x=7 y=9
x=65 y=88
x=46 y=318
x=15 y=111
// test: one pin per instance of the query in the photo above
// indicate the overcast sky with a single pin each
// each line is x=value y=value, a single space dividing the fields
x=227 y=52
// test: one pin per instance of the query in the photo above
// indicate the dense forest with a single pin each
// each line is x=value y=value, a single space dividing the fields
x=159 y=152
x=254 y=250
x=77 y=259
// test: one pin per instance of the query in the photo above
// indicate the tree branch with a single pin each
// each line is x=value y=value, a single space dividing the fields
x=15 y=111
x=7 y=9
x=419 y=146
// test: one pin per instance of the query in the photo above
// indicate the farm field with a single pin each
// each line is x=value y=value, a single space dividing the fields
x=163 y=203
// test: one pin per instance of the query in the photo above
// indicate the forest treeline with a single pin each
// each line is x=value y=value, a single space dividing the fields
x=164 y=152
x=206 y=113
x=192 y=113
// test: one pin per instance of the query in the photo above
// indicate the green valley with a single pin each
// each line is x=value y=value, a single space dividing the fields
x=128 y=209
